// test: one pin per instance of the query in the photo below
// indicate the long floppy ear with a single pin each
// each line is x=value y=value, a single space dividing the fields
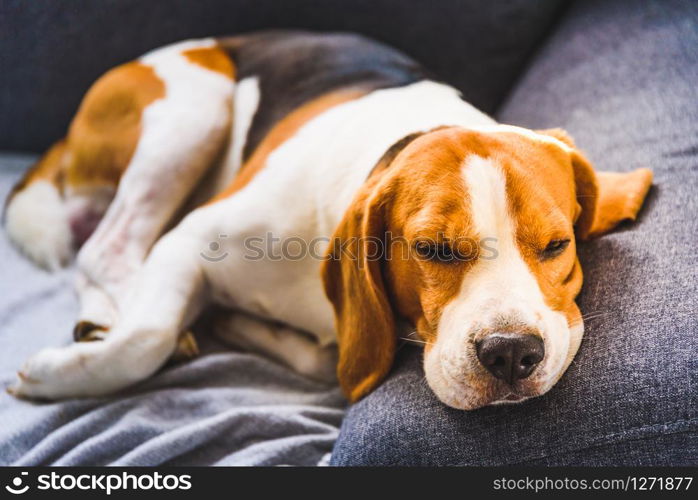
x=353 y=280
x=606 y=198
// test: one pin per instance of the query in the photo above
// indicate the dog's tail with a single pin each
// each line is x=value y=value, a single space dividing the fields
x=36 y=217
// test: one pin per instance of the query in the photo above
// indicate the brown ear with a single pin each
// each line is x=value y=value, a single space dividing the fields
x=353 y=280
x=606 y=198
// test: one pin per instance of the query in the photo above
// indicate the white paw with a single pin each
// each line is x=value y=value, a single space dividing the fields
x=37 y=375
x=88 y=369
x=54 y=373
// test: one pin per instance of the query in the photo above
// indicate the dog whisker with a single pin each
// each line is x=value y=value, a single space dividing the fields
x=415 y=341
x=590 y=316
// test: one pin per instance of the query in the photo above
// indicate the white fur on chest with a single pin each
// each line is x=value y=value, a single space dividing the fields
x=270 y=236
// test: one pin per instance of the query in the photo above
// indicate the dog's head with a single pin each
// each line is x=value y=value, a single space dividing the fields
x=471 y=237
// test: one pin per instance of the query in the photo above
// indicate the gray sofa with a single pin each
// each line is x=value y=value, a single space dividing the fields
x=619 y=75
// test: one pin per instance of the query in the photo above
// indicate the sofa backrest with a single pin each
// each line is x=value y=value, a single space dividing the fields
x=50 y=52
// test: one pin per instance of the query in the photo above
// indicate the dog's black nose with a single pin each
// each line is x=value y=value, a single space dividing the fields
x=510 y=357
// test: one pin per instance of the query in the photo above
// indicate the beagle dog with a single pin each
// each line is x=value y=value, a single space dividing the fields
x=328 y=197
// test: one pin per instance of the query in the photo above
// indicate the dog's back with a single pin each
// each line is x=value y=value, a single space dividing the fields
x=295 y=67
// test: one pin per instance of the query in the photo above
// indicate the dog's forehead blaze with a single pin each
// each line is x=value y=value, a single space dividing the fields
x=535 y=167
x=432 y=198
x=540 y=192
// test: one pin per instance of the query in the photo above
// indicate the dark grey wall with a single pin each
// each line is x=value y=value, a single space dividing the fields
x=52 y=50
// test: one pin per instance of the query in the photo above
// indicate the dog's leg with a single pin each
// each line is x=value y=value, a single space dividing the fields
x=178 y=278
x=164 y=300
x=181 y=134
x=287 y=345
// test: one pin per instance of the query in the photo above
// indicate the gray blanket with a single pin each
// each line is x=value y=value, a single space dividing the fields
x=223 y=408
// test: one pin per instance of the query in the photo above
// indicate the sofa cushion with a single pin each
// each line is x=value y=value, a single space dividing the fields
x=621 y=77
x=52 y=51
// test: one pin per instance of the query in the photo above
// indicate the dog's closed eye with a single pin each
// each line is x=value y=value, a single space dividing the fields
x=555 y=248
x=440 y=252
